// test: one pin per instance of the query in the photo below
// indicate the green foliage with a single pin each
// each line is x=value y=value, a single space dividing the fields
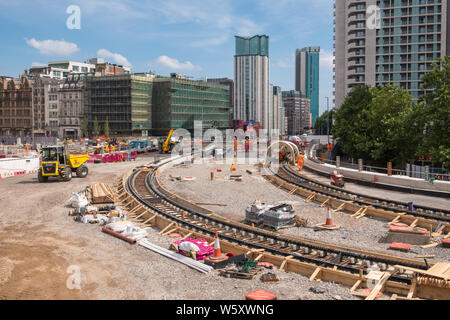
x=320 y=127
x=350 y=123
x=382 y=124
x=84 y=127
x=106 y=127
x=374 y=124
x=434 y=113
x=95 y=126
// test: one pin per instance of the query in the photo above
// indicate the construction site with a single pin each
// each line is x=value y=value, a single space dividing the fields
x=142 y=219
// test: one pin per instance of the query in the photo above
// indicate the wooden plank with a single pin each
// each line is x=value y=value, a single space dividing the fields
x=414 y=223
x=170 y=231
x=412 y=289
x=315 y=273
x=135 y=219
x=357 y=212
x=372 y=295
x=431 y=256
x=394 y=297
x=430 y=245
x=259 y=257
x=323 y=203
x=149 y=219
x=187 y=236
x=363 y=213
x=284 y=263
x=425 y=272
x=167 y=227
x=338 y=208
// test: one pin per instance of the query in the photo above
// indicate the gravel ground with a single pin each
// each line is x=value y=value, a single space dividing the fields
x=39 y=243
x=365 y=233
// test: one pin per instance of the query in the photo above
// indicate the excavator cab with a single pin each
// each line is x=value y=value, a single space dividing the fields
x=169 y=143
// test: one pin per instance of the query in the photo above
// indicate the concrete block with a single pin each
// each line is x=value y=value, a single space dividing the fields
x=411 y=238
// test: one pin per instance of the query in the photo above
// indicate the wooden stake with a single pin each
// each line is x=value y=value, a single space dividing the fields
x=323 y=203
x=150 y=219
x=338 y=208
x=167 y=227
x=315 y=273
x=284 y=263
x=373 y=294
x=412 y=289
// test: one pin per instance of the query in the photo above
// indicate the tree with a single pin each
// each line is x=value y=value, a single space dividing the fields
x=84 y=127
x=95 y=126
x=106 y=127
x=391 y=135
x=433 y=113
x=350 y=125
x=378 y=125
x=320 y=127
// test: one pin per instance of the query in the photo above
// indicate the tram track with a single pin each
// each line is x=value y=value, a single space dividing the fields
x=145 y=188
x=288 y=174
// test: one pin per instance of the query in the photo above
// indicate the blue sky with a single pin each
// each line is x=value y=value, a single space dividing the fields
x=194 y=37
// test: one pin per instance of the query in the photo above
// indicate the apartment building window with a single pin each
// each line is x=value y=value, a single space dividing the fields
x=75 y=68
x=84 y=69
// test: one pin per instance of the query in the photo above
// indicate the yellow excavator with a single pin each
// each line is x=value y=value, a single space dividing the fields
x=57 y=162
x=168 y=144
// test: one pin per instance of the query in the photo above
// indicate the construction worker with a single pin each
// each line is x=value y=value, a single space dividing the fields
x=235 y=145
x=300 y=160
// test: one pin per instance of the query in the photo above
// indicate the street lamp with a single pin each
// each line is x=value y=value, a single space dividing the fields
x=328 y=120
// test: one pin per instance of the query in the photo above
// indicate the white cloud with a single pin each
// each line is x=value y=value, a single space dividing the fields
x=326 y=60
x=53 y=47
x=115 y=57
x=174 y=64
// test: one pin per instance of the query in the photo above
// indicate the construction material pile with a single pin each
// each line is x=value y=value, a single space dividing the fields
x=272 y=216
x=101 y=193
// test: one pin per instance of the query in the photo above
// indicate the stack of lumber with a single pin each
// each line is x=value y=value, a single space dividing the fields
x=101 y=193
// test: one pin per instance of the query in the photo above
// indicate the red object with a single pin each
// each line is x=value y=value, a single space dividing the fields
x=399 y=224
x=175 y=235
x=328 y=222
x=407 y=230
x=234 y=169
x=400 y=246
x=337 y=179
x=219 y=170
x=368 y=290
x=266 y=265
x=229 y=254
x=118 y=235
x=445 y=243
x=260 y=295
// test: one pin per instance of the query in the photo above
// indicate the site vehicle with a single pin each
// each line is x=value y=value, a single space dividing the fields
x=57 y=162
x=337 y=179
x=169 y=143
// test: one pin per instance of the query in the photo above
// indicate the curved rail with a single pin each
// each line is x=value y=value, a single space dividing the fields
x=145 y=188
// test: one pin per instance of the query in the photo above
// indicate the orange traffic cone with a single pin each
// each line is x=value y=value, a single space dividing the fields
x=217 y=255
x=328 y=225
x=329 y=222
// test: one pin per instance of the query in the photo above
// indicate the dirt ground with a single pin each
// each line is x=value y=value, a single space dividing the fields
x=42 y=248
